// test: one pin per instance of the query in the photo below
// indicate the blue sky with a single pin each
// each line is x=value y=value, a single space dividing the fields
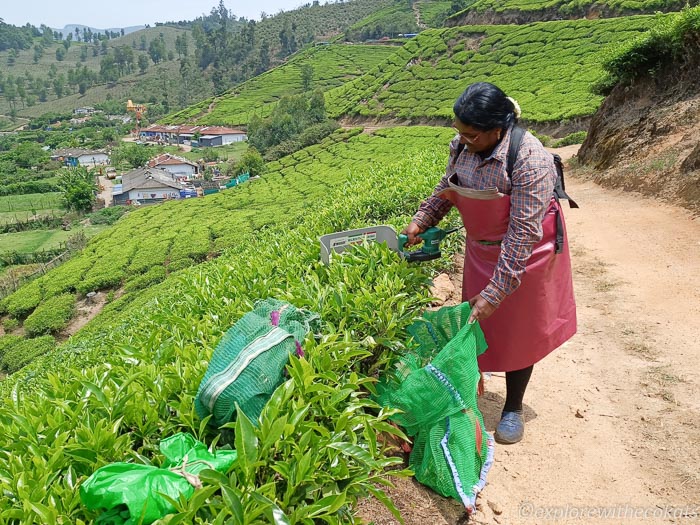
x=103 y=14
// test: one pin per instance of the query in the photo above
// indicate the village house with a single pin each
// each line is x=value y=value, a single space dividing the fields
x=207 y=136
x=87 y=110
x=180 y=168
x=146 y=186
x=74 y=157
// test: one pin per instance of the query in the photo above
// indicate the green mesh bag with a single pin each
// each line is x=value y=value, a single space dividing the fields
x=248 y=364
x=435 y=385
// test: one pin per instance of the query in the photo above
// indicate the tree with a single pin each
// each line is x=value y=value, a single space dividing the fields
x=251 y=162
x=133 y=155
x=60 y=53
x=181 y=45
x=156 y=50
x=317 y=107
x=59 y=84
x=29 y=154
x=109 y=72
x=78 y=187
x=83 y=53
x=143 y=63
x=307 y=77
x=38 y=53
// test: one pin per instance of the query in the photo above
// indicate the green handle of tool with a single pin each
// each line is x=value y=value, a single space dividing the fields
x=431 y=238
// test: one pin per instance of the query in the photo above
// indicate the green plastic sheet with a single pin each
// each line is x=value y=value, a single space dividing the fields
x=131 y=493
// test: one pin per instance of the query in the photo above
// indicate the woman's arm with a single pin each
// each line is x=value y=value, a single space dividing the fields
x=433 y=209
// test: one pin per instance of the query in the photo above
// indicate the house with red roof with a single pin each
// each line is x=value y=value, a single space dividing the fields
x=180 y=168
x=206 y=136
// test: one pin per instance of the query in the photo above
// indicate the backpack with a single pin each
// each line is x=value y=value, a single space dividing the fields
x=516 y=137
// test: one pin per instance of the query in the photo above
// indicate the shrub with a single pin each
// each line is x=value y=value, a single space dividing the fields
x=24 y=300
x=52 y=316
x=7 y=342
x=10 y=324
x=107 y=215
x=22 y=352
x=573 y=138
x=181 y=264
x=153 y=276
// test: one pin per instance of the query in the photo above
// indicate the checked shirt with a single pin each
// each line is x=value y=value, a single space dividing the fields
x=530 y=191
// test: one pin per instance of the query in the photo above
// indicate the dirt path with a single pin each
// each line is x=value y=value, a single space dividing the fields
x=613 y=417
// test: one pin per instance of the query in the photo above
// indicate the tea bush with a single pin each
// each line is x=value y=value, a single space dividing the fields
x=52 y=316
x=332 y=65
x=6 y=342
x=129 y=379
x=548 y=67
x=19 y=353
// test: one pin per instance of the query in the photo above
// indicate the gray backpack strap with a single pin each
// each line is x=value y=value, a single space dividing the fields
x=516 y=137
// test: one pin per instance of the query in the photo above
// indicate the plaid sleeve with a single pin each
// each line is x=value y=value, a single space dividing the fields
x=532 y=189
x=433 y=209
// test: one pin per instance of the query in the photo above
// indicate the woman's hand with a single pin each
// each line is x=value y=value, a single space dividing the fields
x=481 y=309
x=412 y=231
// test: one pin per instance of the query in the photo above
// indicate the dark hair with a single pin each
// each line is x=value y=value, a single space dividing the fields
x=485 y=107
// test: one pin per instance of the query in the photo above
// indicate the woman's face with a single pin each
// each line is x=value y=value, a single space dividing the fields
x=476 y=141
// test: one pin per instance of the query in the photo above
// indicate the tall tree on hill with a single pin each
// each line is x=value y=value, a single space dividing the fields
x=78 y=187
x=47 y=36
x=157 y=50
x=143 y=63
x=109 y=71
x=182 y=45
x=38 y=53
x=59 y=84
x=307 y=77
x=124 y=59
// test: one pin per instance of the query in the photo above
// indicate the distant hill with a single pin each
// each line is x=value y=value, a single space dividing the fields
x=332 y=65
x=70 y=28
x=548 y=67
x=161 y=83
x=526 y=11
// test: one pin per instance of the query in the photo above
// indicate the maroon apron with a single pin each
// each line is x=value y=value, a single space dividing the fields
x=541 y=314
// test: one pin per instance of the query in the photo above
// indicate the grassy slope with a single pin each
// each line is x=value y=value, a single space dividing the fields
x=161 y=340
x=37 y=240
x=15 y=208
x=332 y=65
x=548 y=67
x=25 y=63
x=433 y=12
x=397 y=16
x=178 y=235
x=574 y=6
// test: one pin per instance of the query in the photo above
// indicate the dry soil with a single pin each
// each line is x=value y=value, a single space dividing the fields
x=613 y=416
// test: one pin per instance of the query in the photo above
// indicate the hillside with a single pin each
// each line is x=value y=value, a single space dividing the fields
x=40 y=78
x=182 y=234
x=526 y=11
x=332 y=65
x=90 y=380
x=163 y=335
x=644 y=136
x=548 y=67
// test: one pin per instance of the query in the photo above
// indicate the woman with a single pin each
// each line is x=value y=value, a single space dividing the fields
x=518 y=284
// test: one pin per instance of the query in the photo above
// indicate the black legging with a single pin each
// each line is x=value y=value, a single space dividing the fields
x=516 y=383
